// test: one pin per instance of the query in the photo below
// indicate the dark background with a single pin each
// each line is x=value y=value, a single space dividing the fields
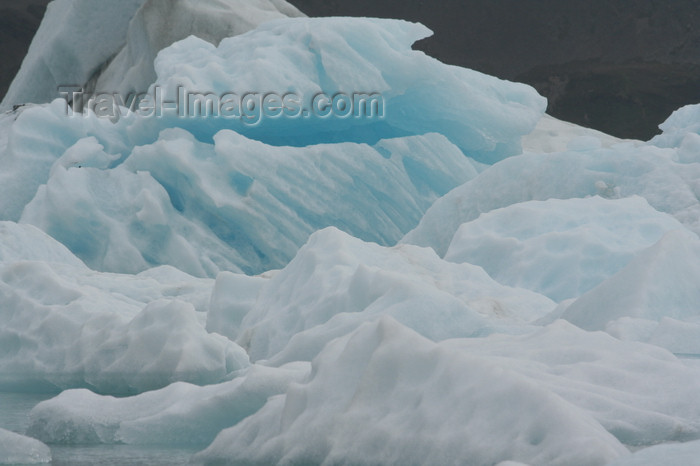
x=620 y=66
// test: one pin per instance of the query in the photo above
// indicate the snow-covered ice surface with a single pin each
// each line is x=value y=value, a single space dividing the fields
x=461 y=281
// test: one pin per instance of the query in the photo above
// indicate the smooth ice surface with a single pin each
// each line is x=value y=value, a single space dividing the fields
x=18 y=449
x=337 y=282
x=385 y=395
x=640 y=393
x=180 y=414
x=560 y=248
x=622 y=170
x=21 y=242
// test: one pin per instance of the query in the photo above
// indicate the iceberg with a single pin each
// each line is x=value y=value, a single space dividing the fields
x=179 y=414
x=209 y=207
x=109 y=190
x=659 y=282
x=18 y=449
x=107 y=46
x=680 y=128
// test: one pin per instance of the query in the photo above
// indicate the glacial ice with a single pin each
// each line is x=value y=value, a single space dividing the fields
x=560 y=248
x=108 y=46
x=485 y=117
x=179 y=414
x=623 y=170
x=65 y=325
x=160 y=23
x=110 y=193
x=381 y=394
x=18 y=449
x=205 y=208
x=541 y=306
x=653 y=299
x=337 y=282
x=673 y=453
x=74 y=39
x=681 y=126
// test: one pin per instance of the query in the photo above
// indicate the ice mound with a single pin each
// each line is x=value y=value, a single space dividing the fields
x=232 y=298
x=19 y=242
x=560 y=248
x=30 y=154
x=337 y=282
x=123 y=221
x=67 y=326
x=623 y=170
x=385 y=395
x=655 y=298
x=682 y=127
x=482 y=115
x=180 y=414
x=74 y=39
x=17 y=449
x=160 y=23
x=640 y=393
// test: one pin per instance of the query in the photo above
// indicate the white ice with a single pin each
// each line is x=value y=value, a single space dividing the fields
x=17 y=449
